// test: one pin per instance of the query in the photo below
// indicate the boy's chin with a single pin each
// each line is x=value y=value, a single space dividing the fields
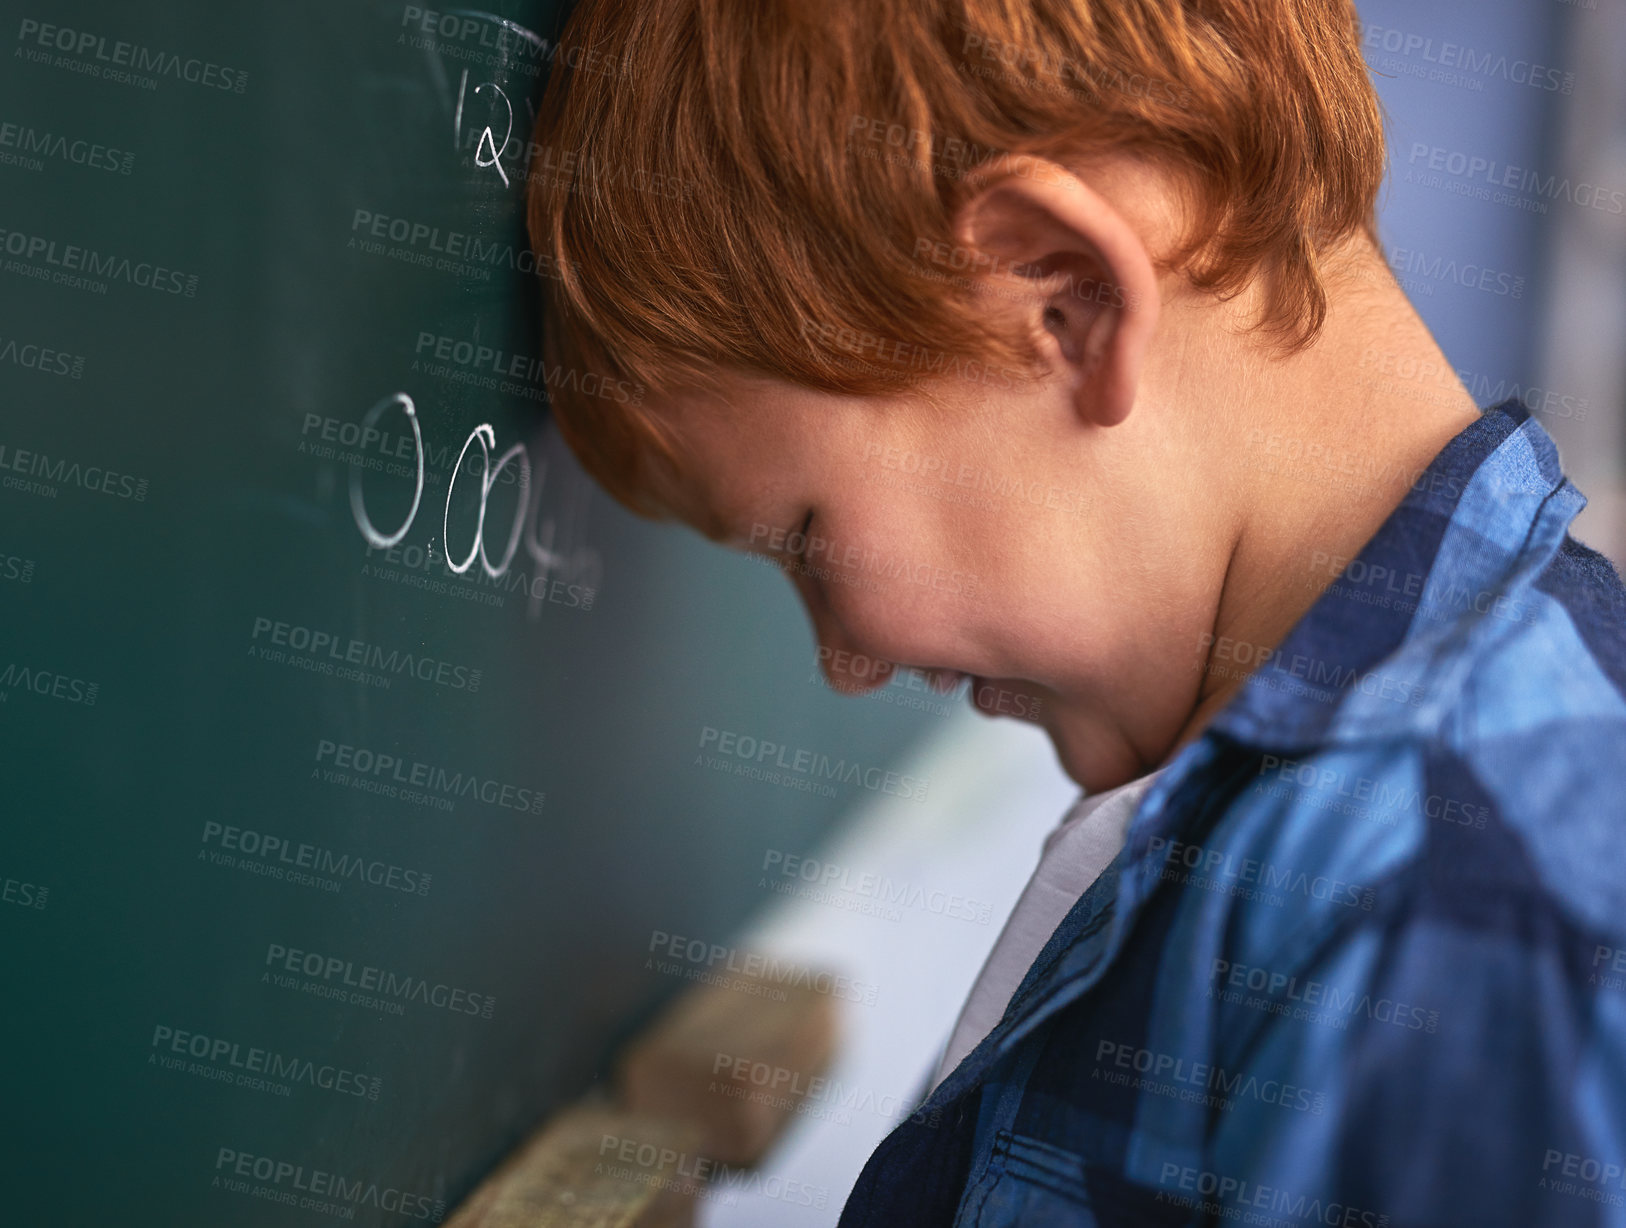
x=1094 y=758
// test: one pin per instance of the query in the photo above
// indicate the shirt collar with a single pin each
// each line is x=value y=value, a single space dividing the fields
x=1385 y=649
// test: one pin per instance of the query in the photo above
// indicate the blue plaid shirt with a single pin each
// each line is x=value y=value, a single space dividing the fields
x=1363 y=958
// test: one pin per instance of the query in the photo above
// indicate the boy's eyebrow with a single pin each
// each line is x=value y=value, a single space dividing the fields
x=713 y=522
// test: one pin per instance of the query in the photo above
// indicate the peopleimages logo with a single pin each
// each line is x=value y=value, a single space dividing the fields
x=41 y=358
x=1275 y=668
x=23 y=894
x=585 y=174
x=1452 y=59
x=1223 y=870
x=229 y=1061
x=93 y=55
x=32 y=143
x=1407 y=262
x=325 y=648
x=15 y=567
x=330 y=1193
x=697 y=1175
x=305 y=864
x=765 y=975
x=745 y=748
x=928 y=468
x=1311 y=460
x=1486 y=389
x=71 y=258
x=828 y=876
x=334 y=975
x=813 y=554
x=460 y=34
x=1197 y=1083
x=1380 y=793
x=492 y=368
x=415 y=774
x=453 y=245
x=486 y=34
x=754 y=1081
x=868 y=349
x=49 y=683
x=1227 y=1197
x=1485 y=178
x=1310 y=1000
x=95 y=478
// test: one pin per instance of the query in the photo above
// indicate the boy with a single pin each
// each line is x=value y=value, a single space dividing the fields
x=1333 y=938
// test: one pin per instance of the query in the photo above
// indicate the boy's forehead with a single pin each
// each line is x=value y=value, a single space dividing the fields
x=727 y=457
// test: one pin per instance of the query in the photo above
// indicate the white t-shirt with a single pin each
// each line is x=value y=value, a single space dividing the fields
x=1090 y=835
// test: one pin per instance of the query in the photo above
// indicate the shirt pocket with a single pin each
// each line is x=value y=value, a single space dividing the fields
x=1029 y=1183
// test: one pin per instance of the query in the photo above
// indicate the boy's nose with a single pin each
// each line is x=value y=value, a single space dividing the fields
x=847 y=667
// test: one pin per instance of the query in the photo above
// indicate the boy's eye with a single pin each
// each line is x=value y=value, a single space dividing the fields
x=804 y=534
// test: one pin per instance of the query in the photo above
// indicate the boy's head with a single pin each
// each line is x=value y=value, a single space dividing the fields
x=906 y=267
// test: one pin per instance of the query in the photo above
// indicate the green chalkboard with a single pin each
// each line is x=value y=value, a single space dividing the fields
x=352 y=742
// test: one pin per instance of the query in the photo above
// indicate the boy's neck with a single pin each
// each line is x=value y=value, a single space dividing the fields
x=1332 y=440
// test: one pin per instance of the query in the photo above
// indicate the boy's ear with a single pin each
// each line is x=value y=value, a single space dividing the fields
x=1087 y=278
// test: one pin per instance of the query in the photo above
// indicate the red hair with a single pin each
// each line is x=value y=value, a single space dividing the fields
x=754 y=178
